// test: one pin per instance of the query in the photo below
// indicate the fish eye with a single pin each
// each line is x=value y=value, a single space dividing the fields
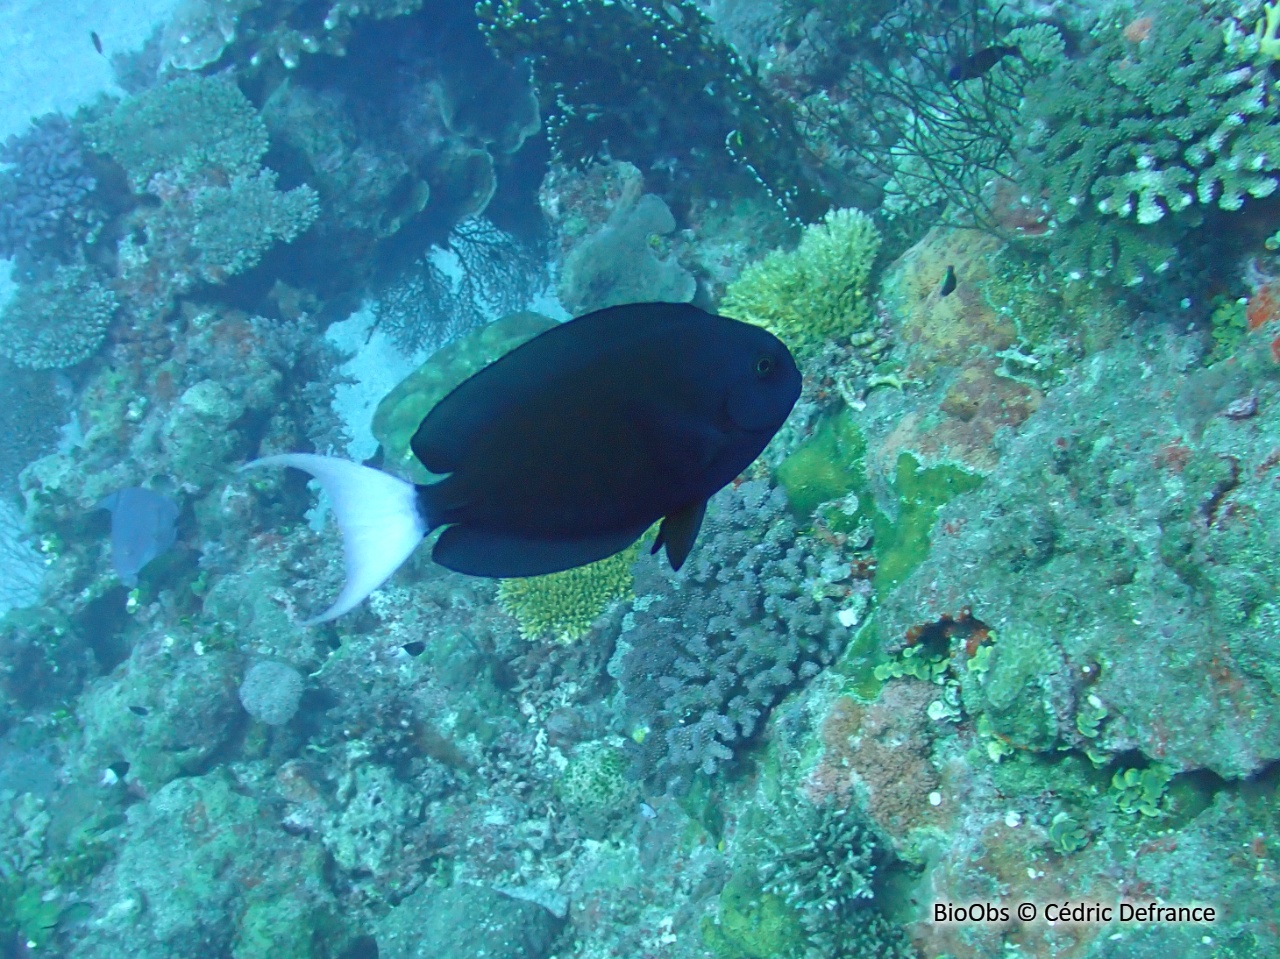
x=764 y=366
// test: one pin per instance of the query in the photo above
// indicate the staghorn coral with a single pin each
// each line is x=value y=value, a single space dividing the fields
x=57 y=322
x=1147 y=133
x=819 y=291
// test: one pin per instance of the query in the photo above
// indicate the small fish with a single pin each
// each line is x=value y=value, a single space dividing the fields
x=414 y=648
x=139 y=710
x=977 y=64
x=97 y=40
x=948 y=282
x=142 y=528
x=568 y=448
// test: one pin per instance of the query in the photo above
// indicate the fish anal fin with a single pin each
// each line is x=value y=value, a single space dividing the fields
x=679 y=531
x=478 y=552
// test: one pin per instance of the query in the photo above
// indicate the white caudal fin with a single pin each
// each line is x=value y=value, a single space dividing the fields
x=377 y=513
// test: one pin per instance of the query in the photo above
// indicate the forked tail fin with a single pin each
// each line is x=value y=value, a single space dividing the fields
x=377 y=513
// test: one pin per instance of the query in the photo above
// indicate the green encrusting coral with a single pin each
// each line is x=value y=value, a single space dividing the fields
x=565 y=605
x=752 y=924
x=819 y=291
x=827 y=467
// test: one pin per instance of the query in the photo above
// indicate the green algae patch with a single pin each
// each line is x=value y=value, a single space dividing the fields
x=859 y=661
x=752 y=924
x=902 y=544
x=827 y=467
x=399 y=414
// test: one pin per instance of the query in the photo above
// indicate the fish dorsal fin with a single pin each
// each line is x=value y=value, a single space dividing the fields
x=679 y=531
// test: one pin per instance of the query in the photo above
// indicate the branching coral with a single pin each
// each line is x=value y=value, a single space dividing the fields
x=47 y=204
x=57 y=322
x=815 y=293
x=1151 y=132
x=711 y=650
x=822 y=860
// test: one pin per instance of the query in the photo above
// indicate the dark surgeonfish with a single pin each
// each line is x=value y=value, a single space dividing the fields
x=142 y=528
x=567 y=449
x=979 y=63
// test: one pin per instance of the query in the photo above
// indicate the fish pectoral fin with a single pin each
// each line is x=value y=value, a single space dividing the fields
x=679 y=531
x=680 y=444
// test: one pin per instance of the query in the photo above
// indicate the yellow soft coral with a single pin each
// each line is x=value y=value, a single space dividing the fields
x=815 y=293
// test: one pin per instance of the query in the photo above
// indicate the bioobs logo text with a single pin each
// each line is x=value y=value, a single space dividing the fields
x=974 y=912
x=1074 y=912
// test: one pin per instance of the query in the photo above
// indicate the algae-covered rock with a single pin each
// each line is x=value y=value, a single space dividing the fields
x=399 y=415
x=465 y=921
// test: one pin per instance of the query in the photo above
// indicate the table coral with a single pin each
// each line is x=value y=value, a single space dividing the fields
x=189 y=126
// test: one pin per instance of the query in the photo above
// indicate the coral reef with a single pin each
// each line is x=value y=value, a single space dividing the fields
x=992 y=619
